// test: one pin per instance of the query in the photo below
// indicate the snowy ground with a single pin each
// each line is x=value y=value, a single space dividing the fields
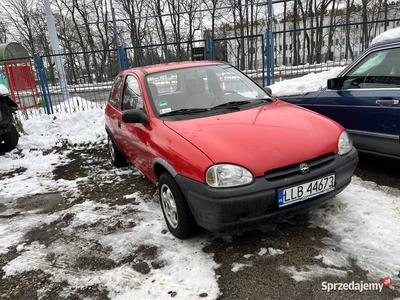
x=363 y=224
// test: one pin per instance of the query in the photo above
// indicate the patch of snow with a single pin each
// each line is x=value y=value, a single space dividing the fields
x=364 y=228
x=305 y=84
x=239 y=266
x=263 y=251
x=270 y=251
x=390 y=34
x=310 y=272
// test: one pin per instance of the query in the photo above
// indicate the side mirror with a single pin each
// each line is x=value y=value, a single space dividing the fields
x=135 y=116
x=334 y=83
x=268 y=90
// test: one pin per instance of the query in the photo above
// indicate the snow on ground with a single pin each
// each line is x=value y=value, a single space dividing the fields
x=363 y=223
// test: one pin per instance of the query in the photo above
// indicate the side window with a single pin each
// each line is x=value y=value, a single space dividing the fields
x=116 y=92
x=379 y=69
x=132 y=97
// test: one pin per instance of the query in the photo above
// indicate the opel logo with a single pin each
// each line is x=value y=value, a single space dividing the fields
x=304 y=168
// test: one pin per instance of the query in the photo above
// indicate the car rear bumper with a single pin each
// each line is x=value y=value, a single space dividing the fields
x=232 y=208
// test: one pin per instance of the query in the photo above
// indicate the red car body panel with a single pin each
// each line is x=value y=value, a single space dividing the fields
x=260 y=132
x=142 y=144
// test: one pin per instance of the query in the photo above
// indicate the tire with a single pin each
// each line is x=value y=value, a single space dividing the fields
x=177 y=214
x=10 y=139
x=117 y=159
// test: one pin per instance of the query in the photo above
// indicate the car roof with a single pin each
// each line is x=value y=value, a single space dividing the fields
x=172 y=66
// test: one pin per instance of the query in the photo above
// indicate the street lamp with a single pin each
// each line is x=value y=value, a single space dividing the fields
x=56 y=49
x=114 y=24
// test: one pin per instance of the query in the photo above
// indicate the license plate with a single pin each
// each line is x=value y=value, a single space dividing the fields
x=306 y=190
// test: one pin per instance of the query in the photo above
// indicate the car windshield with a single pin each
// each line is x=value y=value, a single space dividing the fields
x=200 y=89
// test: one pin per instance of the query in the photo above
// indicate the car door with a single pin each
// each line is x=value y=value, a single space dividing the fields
x=135 y=135
x=366 y=102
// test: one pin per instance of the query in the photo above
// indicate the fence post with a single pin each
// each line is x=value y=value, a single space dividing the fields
x=123 y=62
x=44 y=88
x=209 y=49
x=263 y=60
x=268 y=56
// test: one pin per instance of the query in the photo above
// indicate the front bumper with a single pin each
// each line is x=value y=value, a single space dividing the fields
x=232 y=208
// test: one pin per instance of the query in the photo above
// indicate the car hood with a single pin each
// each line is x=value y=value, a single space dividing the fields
x=302 y=99
x=262 y=138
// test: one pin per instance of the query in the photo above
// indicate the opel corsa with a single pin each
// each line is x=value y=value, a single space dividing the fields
x=223 y=153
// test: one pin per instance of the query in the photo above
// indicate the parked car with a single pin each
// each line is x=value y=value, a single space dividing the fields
x=223 y=153
x=8 y=133
x=365 y=99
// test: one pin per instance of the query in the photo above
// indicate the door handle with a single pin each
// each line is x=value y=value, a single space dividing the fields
x=119 y=124
x=387 y=102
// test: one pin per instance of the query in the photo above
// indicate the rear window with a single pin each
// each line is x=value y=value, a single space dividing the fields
x=115 y=94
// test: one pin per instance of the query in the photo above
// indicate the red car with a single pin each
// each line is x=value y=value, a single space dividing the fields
x=223 y=152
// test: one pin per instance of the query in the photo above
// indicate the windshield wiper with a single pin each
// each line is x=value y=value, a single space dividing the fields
x=231 y=104
x=185 y=111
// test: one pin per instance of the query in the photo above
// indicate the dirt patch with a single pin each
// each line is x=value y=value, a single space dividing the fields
x=12 y=173
x=43 y=202
x=261 y=276
x=99 y=181
x=46 y=234
x=26 y=285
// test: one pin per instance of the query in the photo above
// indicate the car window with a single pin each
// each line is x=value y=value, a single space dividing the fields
x=202 y=88
x=166 y=82
x=229 y=81
x=116 y=92
x=379 y=69
x=132 y=97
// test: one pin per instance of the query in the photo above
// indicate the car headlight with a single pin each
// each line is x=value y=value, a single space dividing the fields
x=345 y=144
x=225 y=175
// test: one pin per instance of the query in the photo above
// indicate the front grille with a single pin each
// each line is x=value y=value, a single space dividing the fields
x=293 y=170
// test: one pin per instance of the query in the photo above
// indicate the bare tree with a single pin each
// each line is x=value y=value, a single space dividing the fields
x=3 y=33
x=349 y=10
x=159 y=7
x=136 y=11
x=174 y=7
x=20 y=15
x=212 y=9
x=321 y=11
x=191 y=8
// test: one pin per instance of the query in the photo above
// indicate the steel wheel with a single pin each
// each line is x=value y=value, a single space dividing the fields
x=177 y=213
x=111 y=148
x=169 y=206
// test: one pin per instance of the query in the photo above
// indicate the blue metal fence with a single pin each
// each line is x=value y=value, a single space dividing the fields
x=302 y=51
x=266 y=58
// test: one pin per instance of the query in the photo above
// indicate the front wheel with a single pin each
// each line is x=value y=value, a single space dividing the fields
x=177 y=214
x=9 y=140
